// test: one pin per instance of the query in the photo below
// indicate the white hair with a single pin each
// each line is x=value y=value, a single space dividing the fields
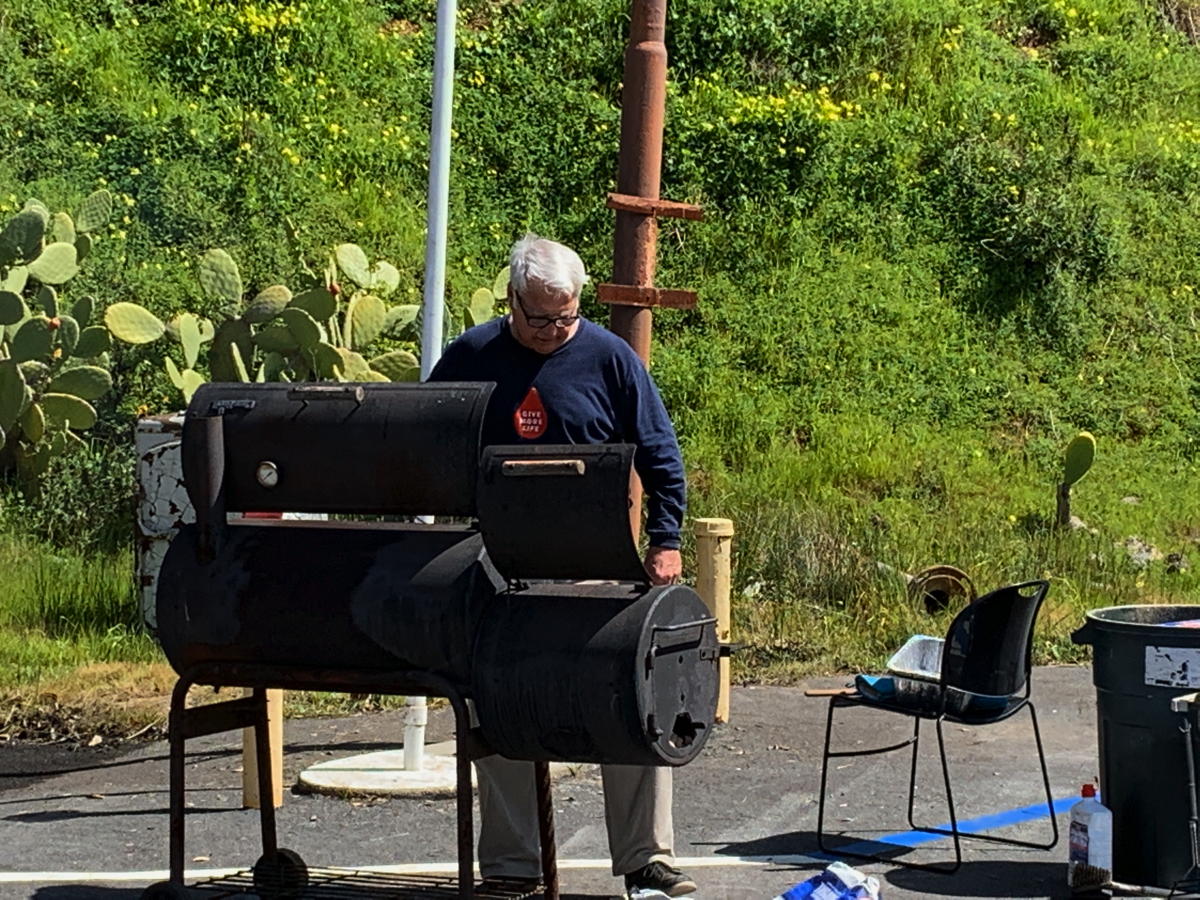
x=547 y=262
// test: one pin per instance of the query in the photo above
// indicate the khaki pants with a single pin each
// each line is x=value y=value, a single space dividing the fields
x=637 y=811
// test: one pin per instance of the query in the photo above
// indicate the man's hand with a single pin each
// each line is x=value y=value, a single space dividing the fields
x=664 y=565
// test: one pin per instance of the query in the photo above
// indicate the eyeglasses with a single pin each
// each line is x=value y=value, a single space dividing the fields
x=539 y=322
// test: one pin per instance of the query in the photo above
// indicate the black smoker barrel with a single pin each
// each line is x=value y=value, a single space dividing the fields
x=584 y=672
x=328 y=596
x=1139 y=663
x=610 y=671
x=598 y=673
x=323 y=594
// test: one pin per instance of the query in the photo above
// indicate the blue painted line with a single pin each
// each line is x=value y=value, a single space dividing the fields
x=909 y=839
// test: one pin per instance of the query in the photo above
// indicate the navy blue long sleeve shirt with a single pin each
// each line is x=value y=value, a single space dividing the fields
x=591 y=390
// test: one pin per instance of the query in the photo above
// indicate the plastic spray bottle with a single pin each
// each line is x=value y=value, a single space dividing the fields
x=1089 y=863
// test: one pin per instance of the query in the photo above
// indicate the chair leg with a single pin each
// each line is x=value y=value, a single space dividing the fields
x=824 y=775
x=912 y=775
x=997 y=839
x=1037 y=737
x=949 y=798
x=850 y=854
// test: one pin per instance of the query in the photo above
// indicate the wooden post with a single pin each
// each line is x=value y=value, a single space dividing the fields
x=714 y=555
x=250 y=798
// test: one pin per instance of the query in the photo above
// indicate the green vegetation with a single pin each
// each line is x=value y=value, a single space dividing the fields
x=52 y=359
x=943 y=237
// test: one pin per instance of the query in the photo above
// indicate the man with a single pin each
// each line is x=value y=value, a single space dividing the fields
x=561 y=379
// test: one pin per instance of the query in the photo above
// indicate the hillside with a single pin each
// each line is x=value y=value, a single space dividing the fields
x=943 y=237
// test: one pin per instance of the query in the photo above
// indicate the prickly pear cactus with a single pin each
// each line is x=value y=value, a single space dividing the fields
x=320 y=331
x=1078 y=458
x=52 y=363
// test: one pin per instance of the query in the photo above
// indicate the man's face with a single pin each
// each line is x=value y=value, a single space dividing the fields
x=543 y=319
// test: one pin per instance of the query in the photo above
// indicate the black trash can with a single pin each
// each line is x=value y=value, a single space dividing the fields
x=1140 y=661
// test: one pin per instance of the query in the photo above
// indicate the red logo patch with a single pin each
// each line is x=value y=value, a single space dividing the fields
x=530 y=418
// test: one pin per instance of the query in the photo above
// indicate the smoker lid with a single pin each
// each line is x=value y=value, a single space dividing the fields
x=550 y=511
x=372 y=448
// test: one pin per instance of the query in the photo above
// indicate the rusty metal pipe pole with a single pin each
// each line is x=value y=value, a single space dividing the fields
x=643 y=109
x=635 y=241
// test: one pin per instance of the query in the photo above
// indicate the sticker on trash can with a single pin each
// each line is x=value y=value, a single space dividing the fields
x=1173 y=666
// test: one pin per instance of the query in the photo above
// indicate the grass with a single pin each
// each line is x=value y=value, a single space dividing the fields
x=814 y=525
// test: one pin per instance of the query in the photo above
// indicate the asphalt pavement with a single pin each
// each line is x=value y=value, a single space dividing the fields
x=93 y=824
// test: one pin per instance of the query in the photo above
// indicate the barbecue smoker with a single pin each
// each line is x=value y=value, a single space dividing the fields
x=535 y=607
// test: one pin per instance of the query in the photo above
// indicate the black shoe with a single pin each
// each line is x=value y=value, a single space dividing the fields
x=658 y=876
x=507 y=887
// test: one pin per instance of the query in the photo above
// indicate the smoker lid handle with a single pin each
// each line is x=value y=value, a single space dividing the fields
x=309 y=392
x=543 y=467
x=680 y=626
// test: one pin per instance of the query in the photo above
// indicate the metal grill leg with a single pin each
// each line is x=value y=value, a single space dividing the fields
x=545 y=804
x=175 y=733
x=465 y=798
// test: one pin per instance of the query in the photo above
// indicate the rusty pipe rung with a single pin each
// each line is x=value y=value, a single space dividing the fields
x=660 y=208
x=645 y=296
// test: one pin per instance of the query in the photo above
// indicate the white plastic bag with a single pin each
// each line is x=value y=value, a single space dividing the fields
x=837 y=882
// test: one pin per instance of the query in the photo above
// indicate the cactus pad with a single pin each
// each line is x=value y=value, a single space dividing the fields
x=220 y=359
x=83 y=247
x=400 y=321
x=33 y=423
x=133 y=324
x=318 y=303
x=303 y=327
x=62 y=228
x=12 y=308
x=86 y=382
x=67 y=410
x=385 y=278
x=276 y=338
x=173 y=372
x=353 y=262
x=56 y=264
x=482 y=307
x=327 y=362
x=47 y=298
x=33 y=340
x=500 y=285
x=83 y=309
x=1078 y=458
x=12 y=394
x=34 y=371
x=399 y=365
x=189 y=337
x=365 y=317
x=239 y=366
x=15 y=280
x=354 y=367
x=269 y=303
x=191 y=381
x=24 y=233
x=68 y=335
x=219 y=277
x=92 y=342
x=94 y=212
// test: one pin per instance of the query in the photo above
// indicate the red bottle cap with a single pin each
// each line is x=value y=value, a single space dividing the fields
x=1089 y=790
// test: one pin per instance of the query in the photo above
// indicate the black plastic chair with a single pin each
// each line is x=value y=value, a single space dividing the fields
x=987 y=651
